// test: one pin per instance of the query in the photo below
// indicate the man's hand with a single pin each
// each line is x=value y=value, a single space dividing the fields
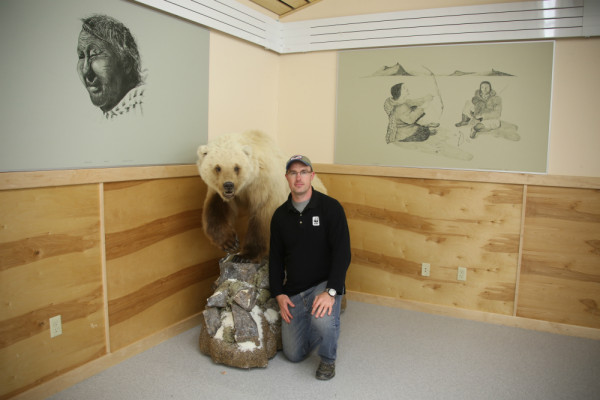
x=323 y=304
x=285 y=302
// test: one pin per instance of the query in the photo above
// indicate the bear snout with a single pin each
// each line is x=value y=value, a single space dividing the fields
x=228 y=189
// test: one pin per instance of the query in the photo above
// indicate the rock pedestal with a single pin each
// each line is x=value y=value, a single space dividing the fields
x=241 y=325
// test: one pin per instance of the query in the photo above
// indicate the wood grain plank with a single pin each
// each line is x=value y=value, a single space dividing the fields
x=39 y=179
x=32 y=249
x=396 y=224
x=161 y=315
x=560 y=273
x=156 y=252
x=51 y=265
x=589 y=182
x=129 y=273
x=35 y=179
x=35 y=322
x=39 y=359
x=129 y=206
x=119 y=244
x=125 y=307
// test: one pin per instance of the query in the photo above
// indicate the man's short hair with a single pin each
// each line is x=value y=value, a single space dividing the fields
x=118 y=36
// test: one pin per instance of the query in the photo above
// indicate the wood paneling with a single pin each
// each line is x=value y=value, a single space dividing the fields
x=50 y=264
x=159 y=263
x=159 y=266
x=36 y=179
x=396 y=224
x=458 y=175
x=560 y=274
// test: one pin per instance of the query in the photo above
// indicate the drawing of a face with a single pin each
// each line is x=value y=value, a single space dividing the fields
x=405 y=92
x=101 y=71
x=485 y=89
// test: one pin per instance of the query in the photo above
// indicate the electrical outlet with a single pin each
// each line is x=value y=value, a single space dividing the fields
x=462 y=274
x=425 y=269
x=55 y=326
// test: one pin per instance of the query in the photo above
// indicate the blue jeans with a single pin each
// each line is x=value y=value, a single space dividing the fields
x=305 y=332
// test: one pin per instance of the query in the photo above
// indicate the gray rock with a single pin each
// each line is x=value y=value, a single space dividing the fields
x=219 y=298
x=262 y=277
x=246 y=329
x=244 y=272
x=246 y=298
x=212 y=320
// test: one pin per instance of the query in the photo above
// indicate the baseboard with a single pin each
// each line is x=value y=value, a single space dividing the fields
x=499 y=319
x=79 y=374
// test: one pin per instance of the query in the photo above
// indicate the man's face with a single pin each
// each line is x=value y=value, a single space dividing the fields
x=101 y=72
x=299 y=178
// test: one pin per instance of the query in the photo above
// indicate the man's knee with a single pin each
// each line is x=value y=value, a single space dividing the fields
x=293 y=355
x=325 y=324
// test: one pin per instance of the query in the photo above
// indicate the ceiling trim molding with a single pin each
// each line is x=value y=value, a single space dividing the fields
x=550 y=19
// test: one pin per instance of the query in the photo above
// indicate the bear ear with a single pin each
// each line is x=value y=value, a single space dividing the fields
x=202 y=152
x=248 y=150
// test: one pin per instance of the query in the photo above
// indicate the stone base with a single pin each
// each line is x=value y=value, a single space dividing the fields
x=232 y=355
x=241 y=325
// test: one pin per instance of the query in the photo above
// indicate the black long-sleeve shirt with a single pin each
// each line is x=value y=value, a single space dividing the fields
x=309 y=247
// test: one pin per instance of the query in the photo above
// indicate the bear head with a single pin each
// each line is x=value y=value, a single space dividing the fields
x=228 y=168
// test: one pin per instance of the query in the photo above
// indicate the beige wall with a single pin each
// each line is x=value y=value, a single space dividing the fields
x=242 y=86
x=293 y=97
x=575 y=124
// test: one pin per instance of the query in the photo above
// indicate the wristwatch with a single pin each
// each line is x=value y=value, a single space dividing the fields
x=331 y=292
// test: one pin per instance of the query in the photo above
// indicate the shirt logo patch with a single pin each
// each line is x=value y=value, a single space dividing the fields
x=316 y=221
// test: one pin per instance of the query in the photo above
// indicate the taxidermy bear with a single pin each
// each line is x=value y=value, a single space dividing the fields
x=243 y=171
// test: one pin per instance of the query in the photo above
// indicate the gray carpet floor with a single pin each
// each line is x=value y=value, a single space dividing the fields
x=383 y=353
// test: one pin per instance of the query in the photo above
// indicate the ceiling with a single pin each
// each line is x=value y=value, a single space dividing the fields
x=283 y=7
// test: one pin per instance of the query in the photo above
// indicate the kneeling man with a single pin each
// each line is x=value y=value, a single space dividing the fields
x=308 y=260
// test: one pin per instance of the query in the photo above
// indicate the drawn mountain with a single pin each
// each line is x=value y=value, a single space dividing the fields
x=398 y=70
x=496 y=73
x=493 y=72
x=394 y=70
x=461 y=73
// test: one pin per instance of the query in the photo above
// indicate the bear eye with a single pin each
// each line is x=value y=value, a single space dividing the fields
x=218 y=168
x=237 y=169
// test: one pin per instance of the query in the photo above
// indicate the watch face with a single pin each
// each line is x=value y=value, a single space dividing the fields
x=332 y=292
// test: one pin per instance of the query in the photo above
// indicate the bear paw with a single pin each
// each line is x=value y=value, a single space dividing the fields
x=231 y=246
x=229 y=243
x=242 y=258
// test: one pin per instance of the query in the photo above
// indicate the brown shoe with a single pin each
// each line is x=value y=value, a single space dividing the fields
x=325 y=371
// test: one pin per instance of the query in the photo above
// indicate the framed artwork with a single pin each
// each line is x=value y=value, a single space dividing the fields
x=475 y=106
x=99 y=83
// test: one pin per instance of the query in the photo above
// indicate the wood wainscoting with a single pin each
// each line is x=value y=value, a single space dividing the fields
x=530 y=244
x=119 y=253
x=121 y=262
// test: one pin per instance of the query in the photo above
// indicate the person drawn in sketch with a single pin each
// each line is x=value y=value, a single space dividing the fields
x=109 y=66
x=483 y=111
x=404 y=115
